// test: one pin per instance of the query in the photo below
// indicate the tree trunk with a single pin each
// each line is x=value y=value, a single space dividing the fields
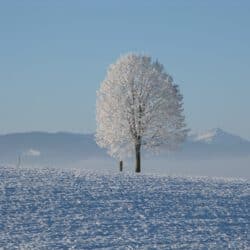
x=138 y=158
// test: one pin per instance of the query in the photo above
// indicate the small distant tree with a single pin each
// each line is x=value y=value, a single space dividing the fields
x=138 y=106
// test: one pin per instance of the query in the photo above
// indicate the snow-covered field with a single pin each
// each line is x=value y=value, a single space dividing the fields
x=56 y=209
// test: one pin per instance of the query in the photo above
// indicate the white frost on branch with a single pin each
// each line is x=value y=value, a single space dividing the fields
x=138 y=103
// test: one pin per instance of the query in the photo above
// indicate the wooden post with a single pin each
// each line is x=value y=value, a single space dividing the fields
x=19 y=161
x=121 y=166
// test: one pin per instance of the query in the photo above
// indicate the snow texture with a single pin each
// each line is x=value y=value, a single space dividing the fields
x=59 y=209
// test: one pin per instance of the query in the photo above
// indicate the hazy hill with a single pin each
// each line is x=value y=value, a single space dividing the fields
x=215 y=143
x=48 y=148
x=67 y=148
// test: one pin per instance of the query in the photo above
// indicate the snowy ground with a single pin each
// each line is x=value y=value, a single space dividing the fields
x=55 y=209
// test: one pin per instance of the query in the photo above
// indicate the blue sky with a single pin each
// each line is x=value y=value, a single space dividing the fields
x=54 y=54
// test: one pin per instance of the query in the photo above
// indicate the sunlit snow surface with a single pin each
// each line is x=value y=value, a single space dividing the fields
x=55 y=209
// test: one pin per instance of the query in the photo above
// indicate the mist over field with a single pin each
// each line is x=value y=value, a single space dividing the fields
x=229 y=168
x=212 y=153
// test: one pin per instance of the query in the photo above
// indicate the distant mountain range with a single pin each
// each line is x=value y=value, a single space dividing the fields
x=67 y=148
x=48 y=148
x=215 y=143
x=217 y=136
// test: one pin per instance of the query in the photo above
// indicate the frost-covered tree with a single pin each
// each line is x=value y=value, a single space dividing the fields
x=138 y=106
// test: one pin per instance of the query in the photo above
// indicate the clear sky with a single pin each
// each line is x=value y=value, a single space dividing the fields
x=54 y=54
